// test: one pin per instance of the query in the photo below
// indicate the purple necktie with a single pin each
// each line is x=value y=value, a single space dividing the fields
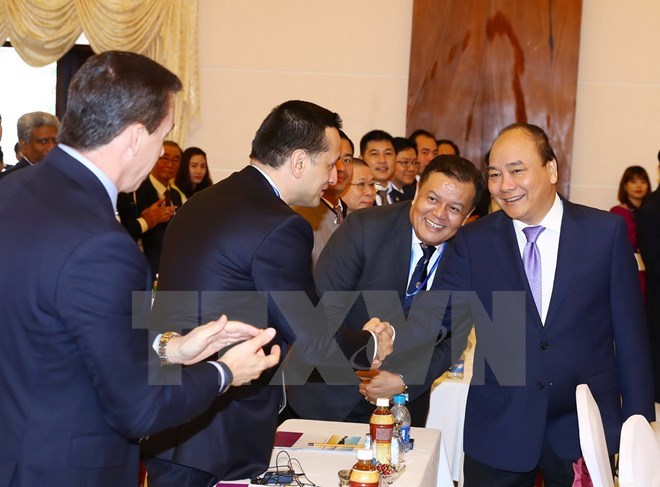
x=532 y=263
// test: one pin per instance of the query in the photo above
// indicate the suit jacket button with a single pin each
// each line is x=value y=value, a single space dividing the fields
x=544 y=345
x=540 y=385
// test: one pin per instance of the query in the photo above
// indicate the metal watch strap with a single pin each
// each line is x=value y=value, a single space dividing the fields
x=162 y=346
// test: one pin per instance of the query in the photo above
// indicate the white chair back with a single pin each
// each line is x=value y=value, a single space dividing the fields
x=592 y=438
x=639 y=454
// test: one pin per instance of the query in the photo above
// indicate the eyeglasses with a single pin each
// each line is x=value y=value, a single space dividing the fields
x=408 y=163
x=168 y=160
x=363 y=186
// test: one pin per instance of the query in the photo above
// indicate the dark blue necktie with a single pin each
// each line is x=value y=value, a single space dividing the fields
x=418 y=277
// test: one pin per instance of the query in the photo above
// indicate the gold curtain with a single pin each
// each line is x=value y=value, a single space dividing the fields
x=42 y=31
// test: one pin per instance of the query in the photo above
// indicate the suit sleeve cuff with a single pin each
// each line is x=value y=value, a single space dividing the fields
x=226 y=377
x=143 y=224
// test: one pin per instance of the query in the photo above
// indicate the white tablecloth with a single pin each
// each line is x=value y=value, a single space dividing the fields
x=447 y=411
x=426 y=465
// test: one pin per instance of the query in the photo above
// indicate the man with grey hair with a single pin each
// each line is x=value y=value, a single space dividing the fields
x=37 y=133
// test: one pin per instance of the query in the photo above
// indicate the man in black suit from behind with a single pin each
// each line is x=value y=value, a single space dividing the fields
x=378 y=249
x=74 y=367
x=234 y=244
x=648 y=236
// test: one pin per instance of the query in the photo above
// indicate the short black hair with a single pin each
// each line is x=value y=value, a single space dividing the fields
x=293 y=125
x=401 y=144
x=374 y=135
x=417 y=133
x=343 y=135
x=457 y=151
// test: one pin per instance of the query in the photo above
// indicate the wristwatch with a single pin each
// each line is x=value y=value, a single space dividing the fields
x=162 y=346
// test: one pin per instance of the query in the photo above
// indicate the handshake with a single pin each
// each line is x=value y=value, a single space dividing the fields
x=384 y=335
x=247 y=360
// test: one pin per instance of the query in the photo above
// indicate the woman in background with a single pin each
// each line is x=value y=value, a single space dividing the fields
x=193 y=174
x=634 y=188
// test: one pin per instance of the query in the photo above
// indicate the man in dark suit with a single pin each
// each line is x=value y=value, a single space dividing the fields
x=74 y=372
x=146 y=212
x=237 y=244
x=648 y=236
x=379 y=248
x=559 y=304
x=37 y=132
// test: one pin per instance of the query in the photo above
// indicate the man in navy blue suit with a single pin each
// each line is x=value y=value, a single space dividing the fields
x=556 y=308
x=247 y=253
x=74 y=372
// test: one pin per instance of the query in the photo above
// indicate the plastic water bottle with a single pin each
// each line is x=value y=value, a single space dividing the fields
x=457 y=370
x=401 y=417
x=398 y=449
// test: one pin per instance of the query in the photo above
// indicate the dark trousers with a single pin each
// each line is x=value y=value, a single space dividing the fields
x=168 y=474
x=556 y=471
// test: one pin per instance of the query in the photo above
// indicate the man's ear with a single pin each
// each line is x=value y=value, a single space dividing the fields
x=551 y=166
x=136 y=133
x=298 y=162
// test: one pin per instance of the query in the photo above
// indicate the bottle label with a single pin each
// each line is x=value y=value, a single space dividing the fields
x=384 y=419
x=368 y=477
x=382 y=432
x=405 y=434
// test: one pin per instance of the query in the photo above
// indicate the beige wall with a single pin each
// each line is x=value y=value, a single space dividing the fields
x=353 y=56
x=618 y=99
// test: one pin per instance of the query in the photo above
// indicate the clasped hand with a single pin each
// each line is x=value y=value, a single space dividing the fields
x=384 y=339
x=246 y=361
x=383 y=384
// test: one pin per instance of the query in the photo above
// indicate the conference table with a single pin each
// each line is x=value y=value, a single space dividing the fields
x=426 y=464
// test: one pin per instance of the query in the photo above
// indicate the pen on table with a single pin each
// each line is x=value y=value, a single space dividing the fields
x=336 y=445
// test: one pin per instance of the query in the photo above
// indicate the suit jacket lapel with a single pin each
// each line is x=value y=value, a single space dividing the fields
x=402 y=235
x=507 y=251
x=570 y=253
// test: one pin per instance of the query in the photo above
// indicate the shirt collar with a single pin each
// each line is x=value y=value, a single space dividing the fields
x=160 y=187
x=109 y=186
x=269 y=179
x=340 y=203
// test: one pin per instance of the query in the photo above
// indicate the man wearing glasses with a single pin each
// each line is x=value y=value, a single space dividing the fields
x=404 y=178
x=361 y=192
x=146 y=212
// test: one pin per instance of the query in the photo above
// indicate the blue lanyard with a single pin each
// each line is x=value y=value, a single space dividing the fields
x=422 y=286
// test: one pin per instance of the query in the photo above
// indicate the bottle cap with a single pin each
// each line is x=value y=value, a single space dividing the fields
x=382 y=402
x=364 y=454
x=399 y=399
